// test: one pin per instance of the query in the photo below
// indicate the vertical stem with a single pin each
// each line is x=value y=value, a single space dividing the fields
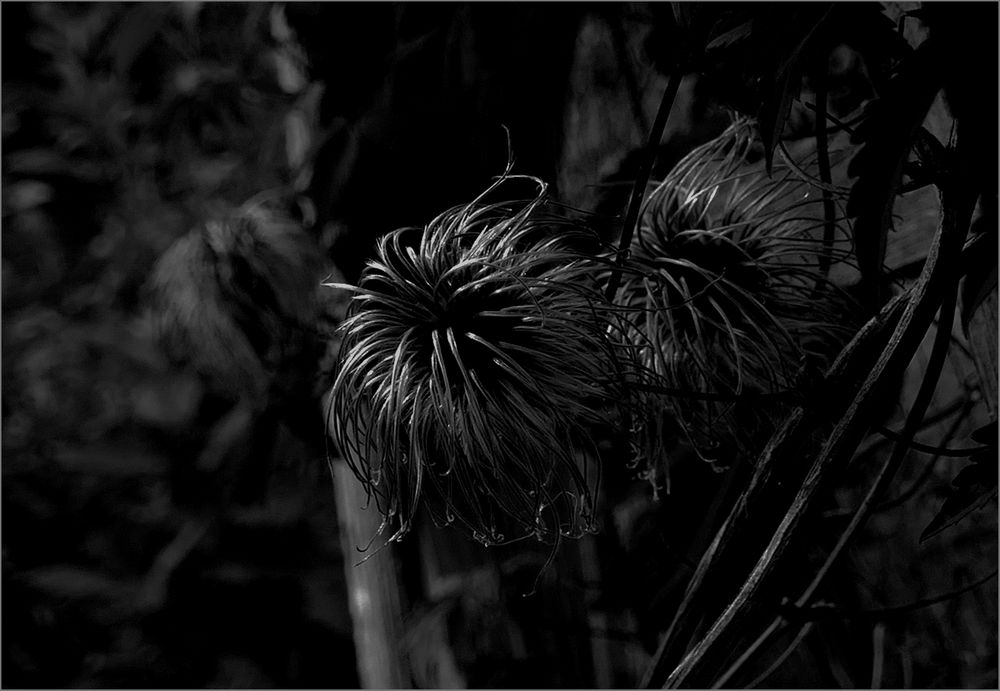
x=373 y=590
x=638 y=194
x=878 y=655
x=823 y=162
x=982 y=333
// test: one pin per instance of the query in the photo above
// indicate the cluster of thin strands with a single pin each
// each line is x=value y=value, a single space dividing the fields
x=474 y=367
x=231 y=295
x=725 y=294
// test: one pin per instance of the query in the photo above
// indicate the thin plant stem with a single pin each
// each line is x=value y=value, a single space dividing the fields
x=935 y=364
x=939 y=352
x=774 y=627
x=828 y=611
x=839 y=125
x=929 y=468
x=960 y=405
x=829 y=211
x=938 y=279
x=638 y=194
x=713 y=396
x=780 y=660
x=927 y=448
x=797 y=169
x=684 y=622
x=878 y=655
x=964 y=409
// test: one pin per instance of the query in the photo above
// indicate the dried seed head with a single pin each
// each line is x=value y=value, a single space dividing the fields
x=725 y=294
x=475 y=363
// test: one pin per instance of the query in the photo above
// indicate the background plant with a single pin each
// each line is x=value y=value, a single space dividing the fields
x=128 y=562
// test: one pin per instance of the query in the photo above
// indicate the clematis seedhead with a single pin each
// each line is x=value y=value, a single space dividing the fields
x=728 y=296
x=475 y=367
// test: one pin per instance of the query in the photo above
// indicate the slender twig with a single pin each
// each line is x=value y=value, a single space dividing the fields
x=784 y=443
x=749 y=651
x=938 y=279
x=642 y=180
x=964 y=408
x=935 y=364
x=839 y=125
x=878 y=655
x=830 y=611
x=780 y=660
x=789 y=161
x=829 y=211
x=927 y=448
x=714 y=396
x=961 y=404
x=887 y=471
x=929 y=467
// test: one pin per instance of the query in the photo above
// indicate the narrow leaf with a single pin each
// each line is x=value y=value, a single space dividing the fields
x=728 y=38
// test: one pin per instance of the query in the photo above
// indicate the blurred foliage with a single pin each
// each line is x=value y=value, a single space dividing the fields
x=123 y=126
x=126 y=560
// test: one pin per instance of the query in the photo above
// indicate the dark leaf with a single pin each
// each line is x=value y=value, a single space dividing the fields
x=774 y=112
x=758 y=57
x=680 y=32
x=866 y=29
x=972 y=488
x=930 y=152
x=981 y=269
x=887 y=137
x=787 y=81
x=986 y=435
x=930 y=165
x=917 y=177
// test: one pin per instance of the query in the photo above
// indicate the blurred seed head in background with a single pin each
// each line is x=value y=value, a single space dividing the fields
x=237 y=298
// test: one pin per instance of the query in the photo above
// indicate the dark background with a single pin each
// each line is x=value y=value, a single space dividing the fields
x=160 y=531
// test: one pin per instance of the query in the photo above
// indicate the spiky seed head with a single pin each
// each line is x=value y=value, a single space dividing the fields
x=724 y=293
x=474 y=364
